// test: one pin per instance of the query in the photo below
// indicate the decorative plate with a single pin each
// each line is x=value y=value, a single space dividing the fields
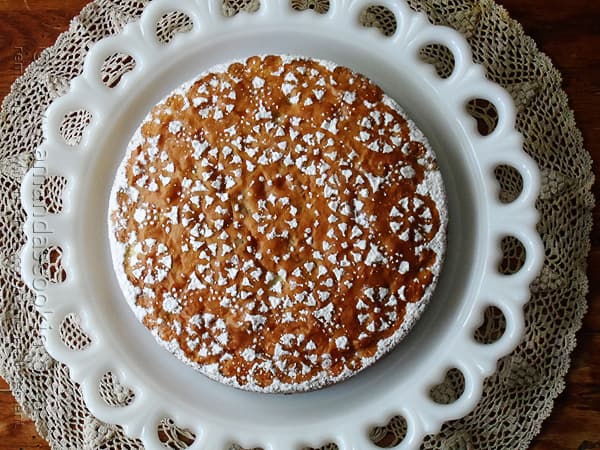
x=343 y=414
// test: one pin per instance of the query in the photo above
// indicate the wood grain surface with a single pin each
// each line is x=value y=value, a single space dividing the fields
x=568 y=31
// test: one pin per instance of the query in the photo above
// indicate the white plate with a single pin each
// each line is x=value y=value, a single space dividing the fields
x=397 y=385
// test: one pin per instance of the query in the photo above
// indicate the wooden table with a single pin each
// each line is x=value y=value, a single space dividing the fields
x=568 y=31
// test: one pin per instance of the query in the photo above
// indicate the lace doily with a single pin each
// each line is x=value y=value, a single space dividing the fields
x=517 y=398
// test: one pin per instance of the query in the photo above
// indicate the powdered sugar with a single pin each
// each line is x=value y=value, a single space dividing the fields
x=275 y=218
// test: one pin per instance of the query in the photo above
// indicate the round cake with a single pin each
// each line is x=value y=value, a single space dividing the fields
x=278 y=223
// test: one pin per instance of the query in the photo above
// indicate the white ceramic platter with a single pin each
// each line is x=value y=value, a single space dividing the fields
x=397 y=385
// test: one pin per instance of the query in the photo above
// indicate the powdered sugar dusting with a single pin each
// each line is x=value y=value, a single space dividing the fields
x=263 y=200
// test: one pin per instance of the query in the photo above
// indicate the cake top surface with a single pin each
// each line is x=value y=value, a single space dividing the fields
x=278 y=223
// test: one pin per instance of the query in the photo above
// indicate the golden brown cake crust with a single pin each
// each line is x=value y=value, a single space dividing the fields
x=273 y=222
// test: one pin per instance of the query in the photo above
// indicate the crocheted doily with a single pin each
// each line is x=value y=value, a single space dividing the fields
x=516 y=399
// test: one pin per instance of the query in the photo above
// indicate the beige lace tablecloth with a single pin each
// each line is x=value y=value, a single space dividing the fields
x=516 y=399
